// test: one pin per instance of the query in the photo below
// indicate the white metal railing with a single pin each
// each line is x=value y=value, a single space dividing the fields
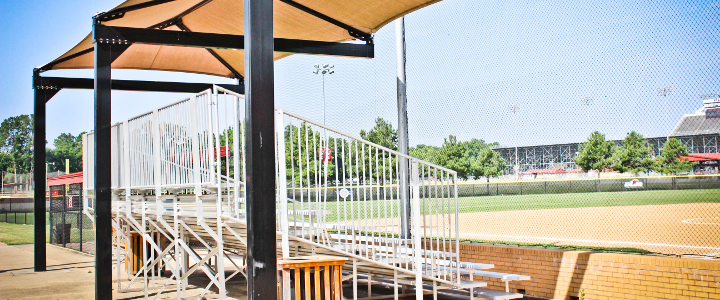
x=343 y=192
x=186 y=145
x=339 y=191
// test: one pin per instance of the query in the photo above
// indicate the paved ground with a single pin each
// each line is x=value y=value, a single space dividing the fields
x=69 y=276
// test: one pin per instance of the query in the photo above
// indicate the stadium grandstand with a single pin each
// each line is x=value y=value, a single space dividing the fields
x=699 y=132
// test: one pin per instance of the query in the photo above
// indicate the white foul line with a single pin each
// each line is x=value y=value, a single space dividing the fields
x=588 y=241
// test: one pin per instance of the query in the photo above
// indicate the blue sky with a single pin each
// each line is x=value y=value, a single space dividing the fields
x=466 y=61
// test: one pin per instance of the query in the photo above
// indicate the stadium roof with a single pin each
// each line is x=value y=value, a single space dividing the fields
x=701 y=156
x=316 y=20
x=696 y=124
x=65 y=179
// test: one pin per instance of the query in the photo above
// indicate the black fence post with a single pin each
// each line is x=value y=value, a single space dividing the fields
x=64 y=218
x=674 y=187
x=80 y=229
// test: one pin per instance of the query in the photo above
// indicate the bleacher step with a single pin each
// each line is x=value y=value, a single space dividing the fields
x=495 y=295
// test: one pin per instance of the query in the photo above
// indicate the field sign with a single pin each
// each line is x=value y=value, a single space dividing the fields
x=633 y=184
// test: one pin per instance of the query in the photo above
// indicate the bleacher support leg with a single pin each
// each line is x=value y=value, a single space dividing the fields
x=395 y=284
x=354 y=278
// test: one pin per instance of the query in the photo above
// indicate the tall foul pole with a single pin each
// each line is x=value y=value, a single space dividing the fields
x=402 y=127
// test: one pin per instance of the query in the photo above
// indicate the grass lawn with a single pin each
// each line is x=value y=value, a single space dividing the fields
x=383 y=209
x=17 y=234
x=524 y=202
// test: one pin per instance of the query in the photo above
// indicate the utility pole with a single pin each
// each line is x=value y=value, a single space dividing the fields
x=587 y=101
x=664 y=92
x=323 y=69
x=514 y=109
x=403 y=139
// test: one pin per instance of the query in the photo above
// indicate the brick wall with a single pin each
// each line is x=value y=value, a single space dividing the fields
x=559 y=274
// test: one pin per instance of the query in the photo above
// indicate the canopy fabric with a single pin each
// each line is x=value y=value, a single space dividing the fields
x=226 y=16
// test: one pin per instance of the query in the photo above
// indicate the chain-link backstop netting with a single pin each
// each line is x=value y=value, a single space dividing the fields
x=572 y=124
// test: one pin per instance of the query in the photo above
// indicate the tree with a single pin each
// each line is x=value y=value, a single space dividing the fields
x=634 y=156
x=595 y=154
x=67 y=146
x=488 y=163
x=424 y=152
x=303 y=159
x=453 y=155
x=16 y=139
x=670 y=162
x=382 y=134
x=476 y=146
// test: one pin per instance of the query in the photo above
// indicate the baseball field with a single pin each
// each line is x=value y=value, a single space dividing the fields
x=669 y=222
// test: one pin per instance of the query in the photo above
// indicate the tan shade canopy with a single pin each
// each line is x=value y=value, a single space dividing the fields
x=226 y=16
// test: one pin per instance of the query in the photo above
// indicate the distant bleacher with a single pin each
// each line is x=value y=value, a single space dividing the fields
x=697 y=124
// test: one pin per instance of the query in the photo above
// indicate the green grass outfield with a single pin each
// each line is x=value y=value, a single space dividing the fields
x=550 y=201
x=17 y=234
x=383 y=209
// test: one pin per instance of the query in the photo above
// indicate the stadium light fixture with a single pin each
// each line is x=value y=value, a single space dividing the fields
x=514 y=108
x=664 y=92
x=323 y=70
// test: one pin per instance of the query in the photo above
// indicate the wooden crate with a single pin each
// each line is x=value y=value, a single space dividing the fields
x=314 y=277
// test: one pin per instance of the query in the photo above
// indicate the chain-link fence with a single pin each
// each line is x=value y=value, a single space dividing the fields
x=69 y=226
x=628 y=88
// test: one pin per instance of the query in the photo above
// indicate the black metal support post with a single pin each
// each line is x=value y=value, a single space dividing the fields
x=41 y=96
x=103 y=226
x=105 y=53
x=260 y=150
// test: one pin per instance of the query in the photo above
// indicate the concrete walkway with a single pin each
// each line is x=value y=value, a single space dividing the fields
x=71 y=275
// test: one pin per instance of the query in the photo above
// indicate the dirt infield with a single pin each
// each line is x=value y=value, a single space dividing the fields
x=670 y=229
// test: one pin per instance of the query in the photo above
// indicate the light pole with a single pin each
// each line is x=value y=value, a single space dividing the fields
x=323 y=69
x=664 y=92
x=513 y=108
x=587 y=101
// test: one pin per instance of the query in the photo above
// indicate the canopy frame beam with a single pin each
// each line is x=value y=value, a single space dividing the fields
x=179 y=23
x=354 y=32
x=120 y=12
x=59 y=83
x=130 y=35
